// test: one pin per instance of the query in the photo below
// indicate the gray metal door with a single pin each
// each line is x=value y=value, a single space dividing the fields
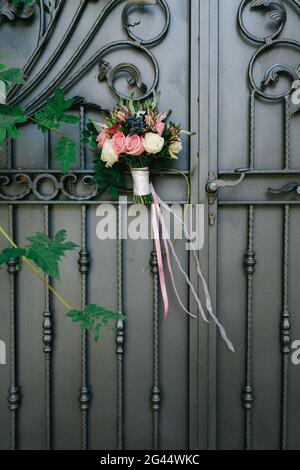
x=248 y=71
x=64 y=391
x=158 y=384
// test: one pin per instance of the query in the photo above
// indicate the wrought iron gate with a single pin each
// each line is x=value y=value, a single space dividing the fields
x=168 y=385
x=253 y=220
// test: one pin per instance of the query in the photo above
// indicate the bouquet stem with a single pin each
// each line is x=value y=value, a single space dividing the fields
x=145 y=200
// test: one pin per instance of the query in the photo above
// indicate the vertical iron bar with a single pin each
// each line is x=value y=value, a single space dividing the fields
x=252 y=130
x=287 y=133
x=46 y=149
x=84 y=267
x=82 y=147
x=48 y=319
x=120 y=339
x=156 y=395
x=285 y=330
x=9 y=153
x=84 y=397
x=14 y=396
x=248 y=392
x=47 y=340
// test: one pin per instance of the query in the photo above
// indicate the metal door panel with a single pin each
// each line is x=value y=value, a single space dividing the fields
x=120 y=401
x=251 y=238
x=203 y=72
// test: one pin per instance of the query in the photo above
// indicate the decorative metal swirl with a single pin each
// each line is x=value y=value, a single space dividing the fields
x=106 y=72
x=11 y=180
x=277 y=13
x=65 y=80
x=273 y=73
x=66 y=185
x=127 y=25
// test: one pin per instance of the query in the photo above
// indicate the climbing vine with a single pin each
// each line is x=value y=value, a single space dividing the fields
x=43 y=254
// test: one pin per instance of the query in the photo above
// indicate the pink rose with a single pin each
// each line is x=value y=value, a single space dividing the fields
x=102 y=138
x=119 y=142
x=160 y=126
x=134 y=145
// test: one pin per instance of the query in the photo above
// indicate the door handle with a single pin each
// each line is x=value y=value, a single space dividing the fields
x=213 y=184
x=294 y=186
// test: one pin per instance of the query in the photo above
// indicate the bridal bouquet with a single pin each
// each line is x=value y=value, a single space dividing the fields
x=136 y=135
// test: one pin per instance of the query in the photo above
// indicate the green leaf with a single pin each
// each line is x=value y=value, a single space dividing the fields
x=69 y=119
x=9 y=118
x=89 y=135
x=95 y=318
x=11 y=253
x=65 y=153
x=110 y=179
x=47 y=253
x=14 y=75
x=54 y=112
x=2 y=135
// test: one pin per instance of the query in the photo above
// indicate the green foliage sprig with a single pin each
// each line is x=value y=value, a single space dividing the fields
x=55 y=113
x=43 y=251
x=46 y=255
x=95 y=318
x=11 y=76
x=10 y=117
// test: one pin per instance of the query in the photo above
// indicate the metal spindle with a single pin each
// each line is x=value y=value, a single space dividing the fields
x=14 y=396
x=47 y=340
x=156 y=394
x=252 y=130
x=120 y=339
x=285 y=330
x=84 y=397
x=248 y=391
x=287 y=133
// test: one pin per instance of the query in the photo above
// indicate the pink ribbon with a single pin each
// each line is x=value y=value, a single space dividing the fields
x=166 y=241
x=161 y=272
x=157 y=217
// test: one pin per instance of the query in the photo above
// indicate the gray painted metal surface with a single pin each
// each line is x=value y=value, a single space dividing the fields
x=158 y=384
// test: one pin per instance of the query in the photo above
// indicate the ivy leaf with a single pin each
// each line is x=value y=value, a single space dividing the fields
x=65 y=153
x=95 y=318
x=9 y=118
x=54 y=112
x=47 y=253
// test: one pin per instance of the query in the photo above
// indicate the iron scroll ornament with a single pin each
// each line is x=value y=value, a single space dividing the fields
x=32 y=184
x=66 y=77
x=278 y=14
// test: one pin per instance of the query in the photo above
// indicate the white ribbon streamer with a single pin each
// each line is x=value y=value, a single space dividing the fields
x=199 y=272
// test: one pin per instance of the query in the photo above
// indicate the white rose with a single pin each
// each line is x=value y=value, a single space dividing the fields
x=175 y=148
x=109 y=155
x=153 y=143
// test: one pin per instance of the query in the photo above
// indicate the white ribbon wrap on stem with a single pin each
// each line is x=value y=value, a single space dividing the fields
x=141 y=181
